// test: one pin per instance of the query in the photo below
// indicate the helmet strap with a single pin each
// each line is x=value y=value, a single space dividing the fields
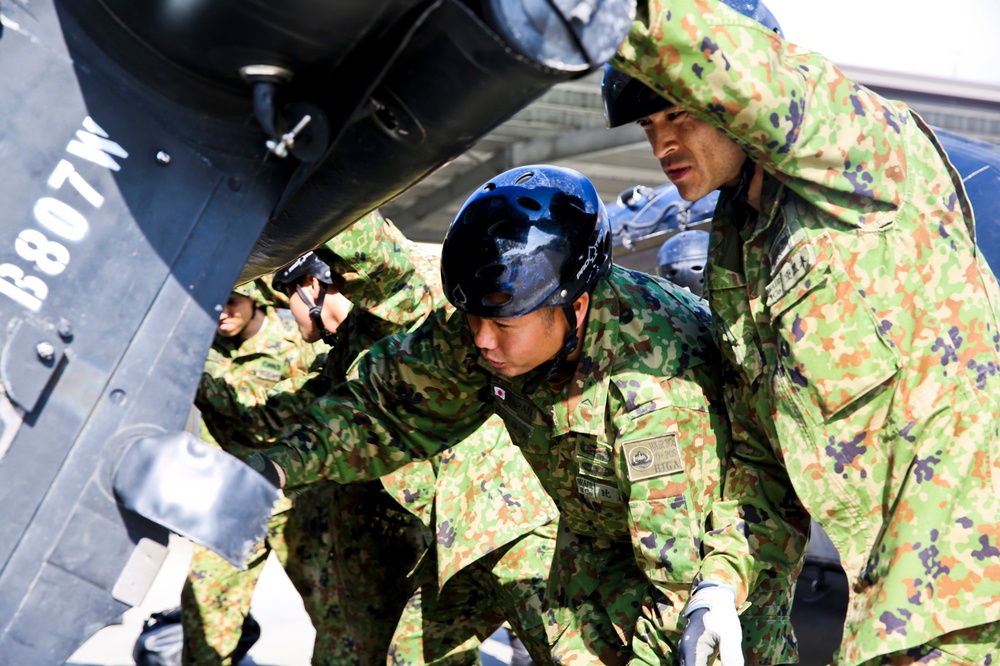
x=316 y=313
x=558 y=364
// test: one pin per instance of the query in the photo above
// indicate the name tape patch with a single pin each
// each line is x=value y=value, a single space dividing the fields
x=597 y=491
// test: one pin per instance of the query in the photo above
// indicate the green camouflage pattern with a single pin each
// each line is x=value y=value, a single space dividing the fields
x=446 y=625
x=861 y=320
x=351 y=551
x=630 y=450
x=974 y=645
x=262 y=293
x=216 y=596
x=480 y=498
x=485 y=496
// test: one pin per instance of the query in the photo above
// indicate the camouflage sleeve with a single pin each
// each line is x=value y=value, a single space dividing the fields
x=277 y=356
x=385 y=274
x=254 y=417
x=414 y=395
x=760 y=512
x=792 y=110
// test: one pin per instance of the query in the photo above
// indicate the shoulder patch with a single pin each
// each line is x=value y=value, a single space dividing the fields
x=651 y=457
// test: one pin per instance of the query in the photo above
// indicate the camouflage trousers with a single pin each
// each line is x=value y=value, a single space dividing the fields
x=445 y=627
x=347 y=550
x=375 y=545
x=979 y=646
x=216 y=597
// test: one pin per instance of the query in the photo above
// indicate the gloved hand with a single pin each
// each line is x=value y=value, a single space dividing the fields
x=713 y=625
x=267 y=467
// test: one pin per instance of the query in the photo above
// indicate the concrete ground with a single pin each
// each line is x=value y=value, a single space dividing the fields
x=286 y=633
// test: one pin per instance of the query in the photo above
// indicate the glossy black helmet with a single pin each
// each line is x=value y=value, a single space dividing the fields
x=290 y=277
x=532 y=237
x=682 y=259
x=627 y=100
x=287 y=278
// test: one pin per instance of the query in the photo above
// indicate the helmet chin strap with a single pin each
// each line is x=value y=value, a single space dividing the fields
x=558 y=362
x=316 y=313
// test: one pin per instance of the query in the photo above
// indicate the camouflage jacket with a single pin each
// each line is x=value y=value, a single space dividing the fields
x=277 y=352
x=478 y=496
x=630 y=448
x=862 y=322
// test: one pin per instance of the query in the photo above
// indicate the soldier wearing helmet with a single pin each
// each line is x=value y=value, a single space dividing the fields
x=843 y=244
x=495 y=534
x=254 y=348
x=606 y=379
x=320 y=308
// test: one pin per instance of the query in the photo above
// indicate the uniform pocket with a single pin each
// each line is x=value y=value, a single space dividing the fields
x=831 y=350
x=661 y=462
x=667 y=544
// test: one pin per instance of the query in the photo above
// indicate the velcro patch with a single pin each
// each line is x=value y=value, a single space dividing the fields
x=597 y=491
x=653 y=456
x=796 y=268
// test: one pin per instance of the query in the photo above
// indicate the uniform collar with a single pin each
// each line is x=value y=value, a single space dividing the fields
x=580 y=405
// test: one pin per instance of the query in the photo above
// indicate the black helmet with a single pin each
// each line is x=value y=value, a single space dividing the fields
x=290 y=277
x=534 y=236
x=627 y=100
x=537 y=235
x=682 y=259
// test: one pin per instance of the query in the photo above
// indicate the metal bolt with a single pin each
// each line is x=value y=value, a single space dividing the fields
x=163 y=158
x=45 y=351
x=65 y=329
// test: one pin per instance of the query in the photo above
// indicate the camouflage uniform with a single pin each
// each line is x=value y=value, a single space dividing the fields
x=862 y=322
x=495 y=532
x=216 y=596
x=478 y=514
x=630 y=450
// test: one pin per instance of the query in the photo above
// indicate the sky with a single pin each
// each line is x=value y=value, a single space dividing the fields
x=951 y=39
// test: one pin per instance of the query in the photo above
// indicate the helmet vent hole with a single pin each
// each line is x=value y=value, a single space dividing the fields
x=529 y=203
x=491 y=272
x=489 y=187
x=524 y=177
x=498 y=298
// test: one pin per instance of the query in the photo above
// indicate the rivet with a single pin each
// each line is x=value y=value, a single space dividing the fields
x=45 y=351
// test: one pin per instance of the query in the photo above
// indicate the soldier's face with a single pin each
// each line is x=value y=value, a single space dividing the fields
x=518 y=345
x=235 y=316
x=695 y=156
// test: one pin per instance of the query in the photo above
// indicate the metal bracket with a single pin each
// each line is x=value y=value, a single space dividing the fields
x=29 y=361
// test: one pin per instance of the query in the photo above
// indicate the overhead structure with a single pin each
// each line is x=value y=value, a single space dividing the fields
x=153 y=153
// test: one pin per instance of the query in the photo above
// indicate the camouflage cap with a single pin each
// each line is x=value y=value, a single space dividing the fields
x=262 y=293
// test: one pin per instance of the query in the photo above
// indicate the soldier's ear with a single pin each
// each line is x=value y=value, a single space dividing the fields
x=310 y=285
x=580 y=307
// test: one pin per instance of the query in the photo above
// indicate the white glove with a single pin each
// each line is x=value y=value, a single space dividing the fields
x=713 y=625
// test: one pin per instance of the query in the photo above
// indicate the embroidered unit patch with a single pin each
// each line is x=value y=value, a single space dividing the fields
x=653 y=456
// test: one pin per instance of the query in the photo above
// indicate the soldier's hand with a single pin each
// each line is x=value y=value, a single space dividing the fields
x=267 y=467
x=713 y=626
